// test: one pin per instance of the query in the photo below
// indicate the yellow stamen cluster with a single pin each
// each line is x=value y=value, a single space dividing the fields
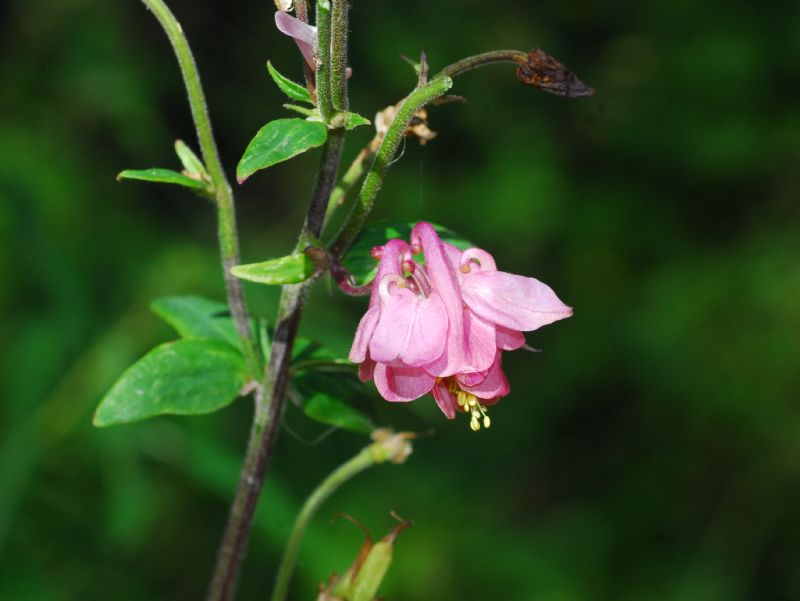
x=468 y=403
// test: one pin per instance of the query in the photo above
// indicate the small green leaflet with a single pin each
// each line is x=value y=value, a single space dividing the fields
x=358 y=260
x=330 y=398
x=190 y=161
x=197 y=317
x=351 y=120
x=279 y=141
x=186 y=377
x=291 y=269
x=163 y=176
x=328 y=387
x=307 y=112
x=293 y=90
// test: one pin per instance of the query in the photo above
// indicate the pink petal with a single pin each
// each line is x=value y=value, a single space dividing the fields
x=473 y=378
x=481 y=342
x=443 y=281
x=512 y=301
x=445 y=399
x=304 y=35
x=389 y=265
x=428 y=332
x=453 y=254
x=412 y=329
x=493 y=386
x=509 y=340
x=366 y=369
x=392 y=332
x=401 y=384
x=477 y=259
x=366 y=327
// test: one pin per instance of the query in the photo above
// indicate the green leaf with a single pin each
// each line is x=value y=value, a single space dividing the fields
x=197 y=317
x=329 y=399
x=190 y=161
x=353 y=120
x=358 y=260
x=293 y=90
x=348 y=120
x=306 y=349
x=304 y=111
x=187 y=377
x=279 y=141
x=291 y=269
x=163 y=176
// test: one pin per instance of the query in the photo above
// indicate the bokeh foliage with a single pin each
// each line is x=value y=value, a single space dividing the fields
x=650 y=452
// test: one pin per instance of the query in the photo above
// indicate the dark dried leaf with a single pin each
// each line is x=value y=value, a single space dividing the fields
x=546 y=73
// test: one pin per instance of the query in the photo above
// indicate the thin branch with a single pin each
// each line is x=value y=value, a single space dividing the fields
x=374 y=180
x=387 y=447
x=481 y=60
x=226 y=216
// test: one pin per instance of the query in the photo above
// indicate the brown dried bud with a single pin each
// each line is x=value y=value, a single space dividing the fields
x=546 y=73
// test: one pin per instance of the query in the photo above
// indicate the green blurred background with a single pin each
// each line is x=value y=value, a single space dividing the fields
x=650 y=452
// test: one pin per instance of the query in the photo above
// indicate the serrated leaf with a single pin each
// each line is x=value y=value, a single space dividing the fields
x=279 y=141
x=186 y=377
x=190 y=161
x=360 y=263
x=163 y=176
x=293 y=90
x=330 y=399
x=291 y=269
x=197 y=317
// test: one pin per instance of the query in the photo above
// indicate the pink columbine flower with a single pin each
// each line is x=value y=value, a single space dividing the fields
x=442 y=327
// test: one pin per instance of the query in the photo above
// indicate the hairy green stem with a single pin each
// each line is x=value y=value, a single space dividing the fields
x=339 y=33
x=323 y=74
x=348 y=181
x=420 y=97
x=481 y=60
x=394 y=448
x=326 y=179
x=328 y=486
x=226 y=216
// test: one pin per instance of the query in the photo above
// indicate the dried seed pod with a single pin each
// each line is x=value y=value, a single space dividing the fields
x=546 y=73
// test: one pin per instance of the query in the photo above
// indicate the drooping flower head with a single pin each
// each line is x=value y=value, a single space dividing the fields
x=441 y=327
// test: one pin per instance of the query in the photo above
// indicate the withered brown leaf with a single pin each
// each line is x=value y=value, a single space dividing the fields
x=546 y=73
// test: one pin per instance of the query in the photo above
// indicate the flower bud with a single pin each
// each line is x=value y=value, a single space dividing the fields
x=362 y=580
x=369 y=577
